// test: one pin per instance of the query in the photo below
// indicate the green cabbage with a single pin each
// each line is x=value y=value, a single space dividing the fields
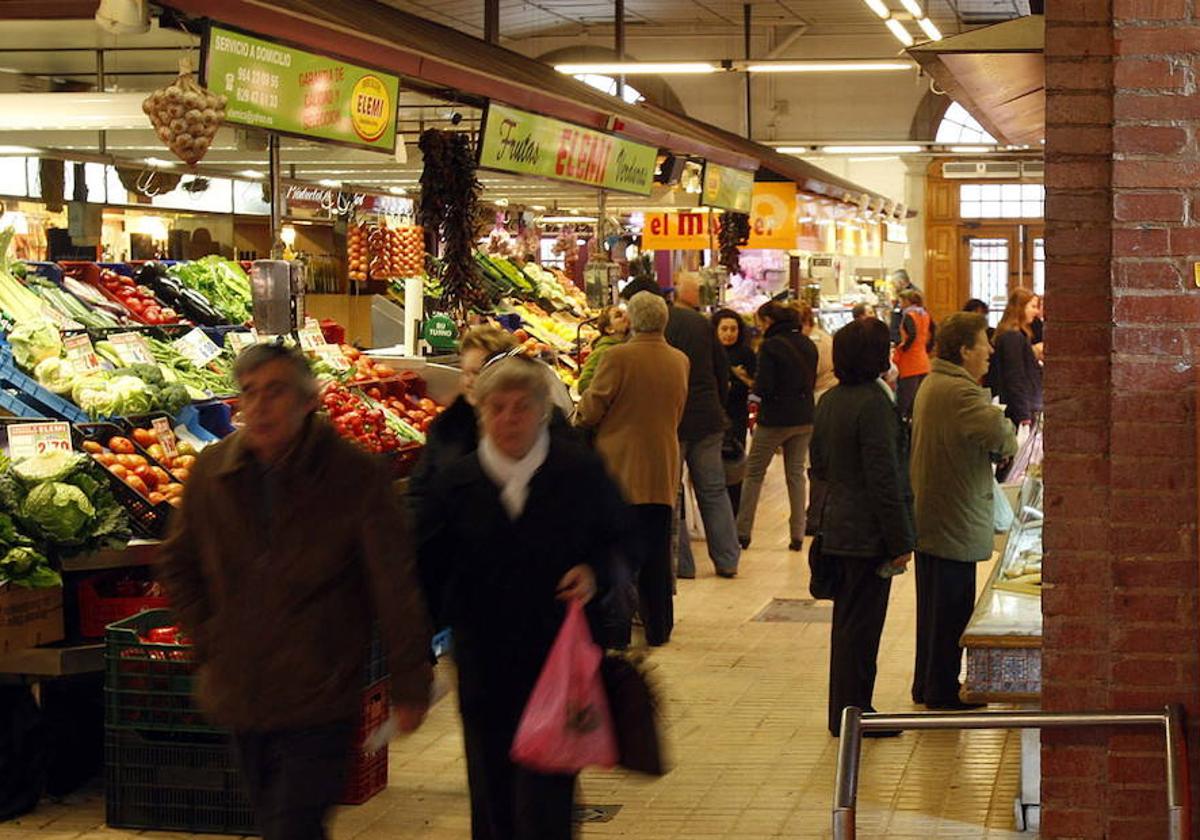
x=49 y=466
x=55 y=373
x=61 y=511
x=131 y=395
x=34 y=339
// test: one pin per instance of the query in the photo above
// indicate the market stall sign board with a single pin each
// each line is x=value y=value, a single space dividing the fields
x=727 y=188
x=27 y=440
x=291 y=91
x=679 y=231
x=440 y=332
x=528 y=144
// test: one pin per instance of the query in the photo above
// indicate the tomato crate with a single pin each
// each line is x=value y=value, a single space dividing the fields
x=367 y=772
x=97 y=611
x=159 y=781
x=148 y=519
x=148 y=685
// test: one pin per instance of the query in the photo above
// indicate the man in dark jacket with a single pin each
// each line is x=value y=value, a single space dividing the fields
x=702 y=430
x=289 y=546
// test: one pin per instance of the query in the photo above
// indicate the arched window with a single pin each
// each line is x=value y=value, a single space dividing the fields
x=607 y=84
x=958 y=126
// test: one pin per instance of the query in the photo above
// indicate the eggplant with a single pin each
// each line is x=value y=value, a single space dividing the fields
x=197 y=308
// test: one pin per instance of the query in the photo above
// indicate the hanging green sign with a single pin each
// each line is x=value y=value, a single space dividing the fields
x=291 y=91
x=727 y=188
x=528 y=144
x=441 y=332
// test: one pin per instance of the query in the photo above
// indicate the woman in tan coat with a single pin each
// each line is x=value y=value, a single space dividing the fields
x=634 y=404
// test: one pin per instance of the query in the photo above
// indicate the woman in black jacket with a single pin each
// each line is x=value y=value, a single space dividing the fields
x=860 y=449
x=1015 y=375
x=731 y=334
x=511 y=532
x=787 y=375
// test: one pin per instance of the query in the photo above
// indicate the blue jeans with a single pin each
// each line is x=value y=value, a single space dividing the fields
x=707 y=470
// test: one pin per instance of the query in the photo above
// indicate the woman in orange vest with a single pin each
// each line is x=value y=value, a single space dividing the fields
x=912 y=353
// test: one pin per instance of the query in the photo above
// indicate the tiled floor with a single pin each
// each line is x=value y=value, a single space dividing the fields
x=745 y=704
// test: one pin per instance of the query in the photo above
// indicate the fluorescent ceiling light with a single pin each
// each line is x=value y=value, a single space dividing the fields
x=397 y=191
x=72 y=111
x=829 y=66
x=18 y=150
x=931 y=30
x=792 y=150
x=252 y=174
x=900 y=32
x=329 y=182
x=568 y=220
x=879 y=8
x=898 y=149
x=913 y=8
x=972 y=150
x=159 y=162
x=635 y=68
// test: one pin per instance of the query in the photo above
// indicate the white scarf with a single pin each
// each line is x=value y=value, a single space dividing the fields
x=513 y=476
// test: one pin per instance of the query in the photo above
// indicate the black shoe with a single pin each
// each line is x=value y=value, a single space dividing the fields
x=721 y=573
x=796 y=545
x=744 y=542
x=682 y=576
x=954 y=706
x=882 y=733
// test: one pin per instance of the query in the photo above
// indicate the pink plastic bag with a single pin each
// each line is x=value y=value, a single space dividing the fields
x=567 y=725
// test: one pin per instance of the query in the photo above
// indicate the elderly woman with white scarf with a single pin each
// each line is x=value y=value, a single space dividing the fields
x=511 y=532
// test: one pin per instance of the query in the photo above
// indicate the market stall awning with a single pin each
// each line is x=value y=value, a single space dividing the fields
x=454 y=62
x=998 y=74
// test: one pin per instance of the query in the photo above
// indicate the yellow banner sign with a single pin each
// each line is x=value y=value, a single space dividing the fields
x=773 y=217
x=679 y=231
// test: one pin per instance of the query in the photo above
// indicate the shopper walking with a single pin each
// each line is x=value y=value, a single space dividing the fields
x=613 y=325
x=731 y=334
x=1015 y=375
x=634 y=405
x=702 y=430
x=917 y=333
x=787 y=373
x=860 y=450
x=289 y=546
x=526 y=523
x=956 y=435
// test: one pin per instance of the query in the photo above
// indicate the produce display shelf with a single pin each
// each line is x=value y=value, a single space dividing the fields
x=63 y=660
x=137 y=553
x=34 y=394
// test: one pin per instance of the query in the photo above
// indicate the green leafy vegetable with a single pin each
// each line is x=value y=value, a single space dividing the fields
x=47 y=467
x=55 y=374
x=60 y=511
x=224 y=284
x=34 y=339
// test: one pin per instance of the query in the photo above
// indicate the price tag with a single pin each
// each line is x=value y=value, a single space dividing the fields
x=197 y=347
x=311 y=323
x=333 y=354
x=166 y=436
x=60 y=320
x=311 y=339
x=239 y=341
x=81 y=354
x=28 y=439
x=132 y=348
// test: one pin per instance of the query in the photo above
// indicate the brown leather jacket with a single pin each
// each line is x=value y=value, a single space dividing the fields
x=278 y=577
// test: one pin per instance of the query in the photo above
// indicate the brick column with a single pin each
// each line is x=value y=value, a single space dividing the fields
x=1123 y=230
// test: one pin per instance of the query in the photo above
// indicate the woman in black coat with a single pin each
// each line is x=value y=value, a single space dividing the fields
x=1015 y=375
x=509 y=534
x=860 y=449
x=731 y=334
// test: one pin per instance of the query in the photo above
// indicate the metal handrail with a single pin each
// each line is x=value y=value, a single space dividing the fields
x=855 y=722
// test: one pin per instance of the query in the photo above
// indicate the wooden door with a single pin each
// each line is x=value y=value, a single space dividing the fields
x=992 y=266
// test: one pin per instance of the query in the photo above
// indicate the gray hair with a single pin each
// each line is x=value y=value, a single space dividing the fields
x=512 y=373
x=648 y=313
x=257 y=355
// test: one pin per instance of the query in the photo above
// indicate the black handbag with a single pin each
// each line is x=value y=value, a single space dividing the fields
x=824 y=572
x=634 y=712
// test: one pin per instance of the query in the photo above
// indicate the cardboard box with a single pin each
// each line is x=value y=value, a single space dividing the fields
x=29 y=617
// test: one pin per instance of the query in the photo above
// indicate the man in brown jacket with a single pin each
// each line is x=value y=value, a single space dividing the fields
x=290 y=543
x=635 y=403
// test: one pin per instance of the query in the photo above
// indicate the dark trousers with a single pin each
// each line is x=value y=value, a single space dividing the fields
x=509 y=802
x=735 y=496
x=906 y=394
x=817 y=490
x=945 y=601
x=294 y=777
x=859 y=610
x=652 y=538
